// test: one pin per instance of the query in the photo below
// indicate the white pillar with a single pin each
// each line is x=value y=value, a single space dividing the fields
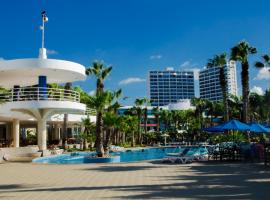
x=16 y=132
x=42 y=134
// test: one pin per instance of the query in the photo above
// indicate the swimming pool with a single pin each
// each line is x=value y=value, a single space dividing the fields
x=125 y=156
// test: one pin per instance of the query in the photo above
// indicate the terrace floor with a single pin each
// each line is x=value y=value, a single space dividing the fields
x=141 y=180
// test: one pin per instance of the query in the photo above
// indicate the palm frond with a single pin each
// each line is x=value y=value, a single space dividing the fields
x=259 y=65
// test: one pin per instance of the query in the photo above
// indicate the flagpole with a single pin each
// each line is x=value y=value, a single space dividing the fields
x=43 y=27
x=42 y=50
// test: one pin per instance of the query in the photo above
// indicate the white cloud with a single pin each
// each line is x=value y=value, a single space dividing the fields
x=189 y=66
x=186 y=64
x=257 y=90
x=131 y=80
x=51 y=52
x=156 y=57
x=263 y=74
x=92 y=92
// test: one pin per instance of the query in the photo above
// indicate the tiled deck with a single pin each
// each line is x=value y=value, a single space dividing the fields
x=142 y=180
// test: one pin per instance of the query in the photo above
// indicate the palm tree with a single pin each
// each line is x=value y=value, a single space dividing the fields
x=101 y=73
x=138 y=108
x=165 y=117
x=145 y=118
x=132 y=121
x=235 y=104
x=200 y=107
x=256 y=107
x=99 y=102
x=241 y=53
x=220 y=61
x=110 y=118
x=156 y=112
x=88 y=127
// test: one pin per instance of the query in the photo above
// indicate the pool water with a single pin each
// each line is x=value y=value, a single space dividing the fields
x=125 y=156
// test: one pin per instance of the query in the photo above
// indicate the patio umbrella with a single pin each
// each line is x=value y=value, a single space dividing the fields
x=258 y=128
x=214 y=129
x=235 y=125
x=165 y=135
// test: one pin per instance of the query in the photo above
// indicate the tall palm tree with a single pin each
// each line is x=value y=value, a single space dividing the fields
x=221 y=61
x=101 y=73
x=241 y=53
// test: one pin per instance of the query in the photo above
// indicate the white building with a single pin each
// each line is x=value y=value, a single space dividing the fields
x=28 y=102
x=209 y=82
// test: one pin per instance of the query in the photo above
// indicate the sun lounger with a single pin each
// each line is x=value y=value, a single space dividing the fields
x=188 y=155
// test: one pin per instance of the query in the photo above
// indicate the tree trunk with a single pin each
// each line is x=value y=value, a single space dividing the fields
x=158 y=123
x=99 y=132
x=223 y=85
x=139 y=129
x=107 y=141
x=64 y=141
x=84 y=144
x=123 y=138
x=145 y=125
x=245 y=90
x=133 y=139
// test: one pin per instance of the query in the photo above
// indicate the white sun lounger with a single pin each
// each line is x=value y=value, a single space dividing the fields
x=187 y=157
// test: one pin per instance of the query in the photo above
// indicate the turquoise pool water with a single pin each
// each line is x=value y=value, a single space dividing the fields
x=126 y=156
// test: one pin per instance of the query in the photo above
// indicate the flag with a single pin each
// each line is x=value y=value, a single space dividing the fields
x=44 y=17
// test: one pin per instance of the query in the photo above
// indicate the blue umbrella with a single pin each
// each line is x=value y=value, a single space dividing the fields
x=214 y=129
x=267 y=126
x=235 y=125
x=258 y=128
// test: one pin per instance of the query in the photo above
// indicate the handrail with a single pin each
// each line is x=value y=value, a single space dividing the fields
x=39 y=94
x=90 y=111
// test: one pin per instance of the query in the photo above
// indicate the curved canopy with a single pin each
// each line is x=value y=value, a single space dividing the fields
x=25 y=72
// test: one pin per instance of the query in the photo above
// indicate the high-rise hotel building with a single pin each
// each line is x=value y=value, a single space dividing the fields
x=210 y=84
x=169 y=86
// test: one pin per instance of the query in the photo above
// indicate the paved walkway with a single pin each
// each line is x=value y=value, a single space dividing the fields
x=143 y=180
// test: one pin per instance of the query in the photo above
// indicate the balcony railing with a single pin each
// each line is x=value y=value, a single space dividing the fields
x=39 y=94
x=90 y=111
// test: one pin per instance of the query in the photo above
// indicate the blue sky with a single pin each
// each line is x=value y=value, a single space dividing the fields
x=136 y=36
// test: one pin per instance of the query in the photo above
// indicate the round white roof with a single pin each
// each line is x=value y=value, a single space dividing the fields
x=25 y=72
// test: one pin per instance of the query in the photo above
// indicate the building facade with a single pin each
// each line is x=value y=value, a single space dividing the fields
x=170 y=86
x=209 y=82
